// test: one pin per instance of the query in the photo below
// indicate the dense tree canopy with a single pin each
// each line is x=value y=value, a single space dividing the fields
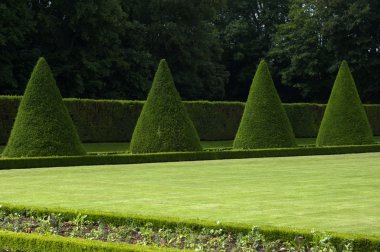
x=246 y=31
x=318 y=35
x=182 y=32
x=16 y=24
x=110 y=48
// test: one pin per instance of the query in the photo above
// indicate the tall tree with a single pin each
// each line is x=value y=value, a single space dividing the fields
x=83 y=40
x=16 y=24
x=246 y=28
x=183 y=33
x=319 y=34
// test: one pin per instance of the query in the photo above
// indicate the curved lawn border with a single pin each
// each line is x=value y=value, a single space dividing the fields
x=360 y=242
x=113 y=159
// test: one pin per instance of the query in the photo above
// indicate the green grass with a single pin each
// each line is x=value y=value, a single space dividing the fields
x=334 y=193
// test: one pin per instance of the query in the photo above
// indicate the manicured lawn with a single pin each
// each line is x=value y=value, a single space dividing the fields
x=335 y=193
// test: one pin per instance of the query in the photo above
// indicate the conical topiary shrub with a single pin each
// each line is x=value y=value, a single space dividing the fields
x=164 y=125
x=345 y=121
x=43 y=126
x=264 y=123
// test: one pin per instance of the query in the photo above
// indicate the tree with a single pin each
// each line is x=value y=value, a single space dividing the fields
x=183 y=33
x=345 y=121
x=352 y=31
x=164 y=125
x=264 y=123
x=43 y=126
x=246 y=29
x=94 y=49
x=318 y=34
x=16 y=25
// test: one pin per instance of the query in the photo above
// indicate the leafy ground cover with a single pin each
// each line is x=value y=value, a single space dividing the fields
x=181 y=237
x=330 y=193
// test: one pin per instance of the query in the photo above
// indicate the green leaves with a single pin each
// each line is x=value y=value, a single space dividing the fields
x=164 y=125
x=43 y=126
x=308 y=47
x=246 y=29
x=264 y=123
x=345 y=121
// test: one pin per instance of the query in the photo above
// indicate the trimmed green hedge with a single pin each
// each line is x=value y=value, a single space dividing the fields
x=305 y=118
x=265 y=123
x=43 y=126
x=114 y=120
x=361 y=243
x=345 y=121
x=164 y=124
x=38 y=243
x=37 y=162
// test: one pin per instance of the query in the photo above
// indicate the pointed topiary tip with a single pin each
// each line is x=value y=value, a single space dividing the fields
x=263 y=67
x=162 y=66
x=163 y=62
x=41 y=65
x=344 y=69
x=344 y=66
x=263 y=63
x=41 y=61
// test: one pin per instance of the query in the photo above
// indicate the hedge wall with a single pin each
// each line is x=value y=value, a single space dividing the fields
x=114 y=121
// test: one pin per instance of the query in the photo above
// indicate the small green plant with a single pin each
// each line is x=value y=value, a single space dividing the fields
x=78 y=223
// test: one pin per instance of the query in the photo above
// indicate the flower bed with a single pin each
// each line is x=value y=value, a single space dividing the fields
x=179 y=237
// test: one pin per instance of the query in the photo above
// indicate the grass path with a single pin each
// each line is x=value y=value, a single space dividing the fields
x=334 y=193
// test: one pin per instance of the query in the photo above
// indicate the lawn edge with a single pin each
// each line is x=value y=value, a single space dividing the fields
x=114 y=159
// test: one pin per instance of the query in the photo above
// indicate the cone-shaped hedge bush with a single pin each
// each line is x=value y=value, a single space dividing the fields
x=345 y=121
x=264 y=123
x=43 y=126
x=164 y=125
